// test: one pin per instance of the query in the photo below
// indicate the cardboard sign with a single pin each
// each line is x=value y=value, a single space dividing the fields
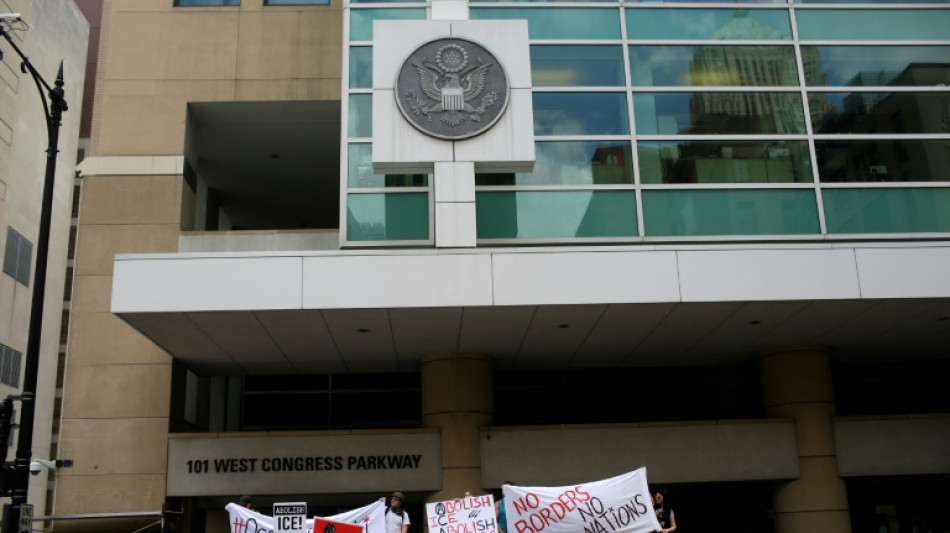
x=475 y=514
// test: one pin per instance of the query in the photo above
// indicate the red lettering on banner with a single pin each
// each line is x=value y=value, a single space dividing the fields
x=530 y=500
x=537 y=521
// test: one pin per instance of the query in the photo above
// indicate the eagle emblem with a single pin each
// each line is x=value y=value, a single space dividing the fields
x=457 y=86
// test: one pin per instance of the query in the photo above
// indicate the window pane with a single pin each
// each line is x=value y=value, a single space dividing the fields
x=556 y=214
x=738 y=24
x=873 y=25
x=730 y=212
x=567 y=66
x=361 y=115
x=361 y=20
x=718 y=113
x=296 y=2
x=208 y=2
x=387 y=217
x=886 y=210
x=580 y=113
x=713 y=65
x=361 y=67
x=876 y=65
x=572 y=163
x=724 y=162
x=861 y=112
x=559 y=23
x=360 y=171
x=882 y=160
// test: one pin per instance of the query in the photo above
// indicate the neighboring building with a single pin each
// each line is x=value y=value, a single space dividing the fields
x=51 y=31
x=282 y=288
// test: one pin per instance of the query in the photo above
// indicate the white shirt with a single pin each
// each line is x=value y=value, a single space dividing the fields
x=394 y=522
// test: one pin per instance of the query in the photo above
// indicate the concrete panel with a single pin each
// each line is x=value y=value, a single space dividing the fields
x=97 y=246
x=78 y=494
x=139 y=165
x=509 y=145
x=507 y=39
x=369 y=282
x=206 y=284
x=454 y=182
x=103 y=338
x=115 y=446
x=117 y=391
x=455 y=225
x=904 y=272
x=579 y=278
x=91 y=294
x=393 y=47
x=730 y=451
x=893 y=446
x=397 y=146
x=449 y=10
x=131 y=200
x=758 y=275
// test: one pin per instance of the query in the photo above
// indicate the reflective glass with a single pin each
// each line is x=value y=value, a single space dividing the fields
x=872 y=1
x=560 y=22
x=883 y=160
x=706 y=1
x=730 y=212
x=556 y=214
x=572 y=163
x=873 y=24
x=704 y=23
x=580 y=113
x=882 y=210
x=387 y=217
x=713 y=64
x=361 y=115
x=360 y=171
x=726 y=113
x=724 y=162
x=361 y=20
x=876 y=65
x=861 y=112
x=575 y=66
x=361 y=67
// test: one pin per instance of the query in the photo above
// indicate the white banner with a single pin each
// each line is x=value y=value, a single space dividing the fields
x=616 y=505
x=372 y=516
x=475 y=514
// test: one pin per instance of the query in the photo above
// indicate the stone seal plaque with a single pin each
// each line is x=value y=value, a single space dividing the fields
x=452 y=88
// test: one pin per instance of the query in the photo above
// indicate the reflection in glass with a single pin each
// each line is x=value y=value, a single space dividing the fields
x=886 y=210
x=730 y=212
x=724 y=162
x=883 y=160
x=572 y=163
x=719 y=24
x=387 y=217
x=580 y=113
x=361 y=115
x=361 y=67
x=556 y=214
x=877 y=65
x=361 y=20
x=713 y=64
x=872 y=24
x=862 y=112
x=560 y=22
x=573 y=66
x=360 y=171
x=699 y=113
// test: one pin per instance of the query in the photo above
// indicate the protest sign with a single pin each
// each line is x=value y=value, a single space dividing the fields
x=474 y=514
x=372 y=517
x=322 y=525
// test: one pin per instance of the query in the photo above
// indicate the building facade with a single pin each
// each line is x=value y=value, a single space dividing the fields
x=705 y=238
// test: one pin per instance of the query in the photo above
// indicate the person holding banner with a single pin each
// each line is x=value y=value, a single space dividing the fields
x=664 y=513
x=501 y=514
x=397 y=518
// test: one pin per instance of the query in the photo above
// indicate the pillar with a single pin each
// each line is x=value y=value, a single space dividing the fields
x=457 y=398
x=798 y=385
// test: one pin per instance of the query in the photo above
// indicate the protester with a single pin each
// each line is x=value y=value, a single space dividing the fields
x=500 y=514
x=245 y=501
x=397 y=518
x=664 y=513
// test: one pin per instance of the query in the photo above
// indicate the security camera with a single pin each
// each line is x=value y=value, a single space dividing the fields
x=9 y=17
x=35 y=468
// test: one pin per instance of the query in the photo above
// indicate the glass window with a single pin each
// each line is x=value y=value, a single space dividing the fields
x=713 y=64
x=714 y=113
x=387 y=217
x=730 y=212
x=208 y=2
x=580 y=113
x=556 y=214
x=360 y=171
x=863 y=112
x=576 y=66
x=876 y=65
x=704 y=23
x=882 y=160
x=296 y=2
x=572 y=163
x=560 y=22
x=881 y=210
x=361 y=67
x=724 y=162
x=361 y=115
x=361 y=20
x=873 y=24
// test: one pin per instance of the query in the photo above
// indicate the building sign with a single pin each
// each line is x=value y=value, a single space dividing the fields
x=475 y=514
x=231 y=464
x=452 y=88
x=290 y=517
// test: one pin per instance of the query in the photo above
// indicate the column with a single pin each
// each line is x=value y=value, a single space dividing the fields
x=798 y=385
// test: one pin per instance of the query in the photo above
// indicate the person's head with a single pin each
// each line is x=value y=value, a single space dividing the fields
x=245 y=501
x=659 y=498
x=397 y=499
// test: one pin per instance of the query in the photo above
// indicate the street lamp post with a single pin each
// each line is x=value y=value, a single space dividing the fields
x=53 y=108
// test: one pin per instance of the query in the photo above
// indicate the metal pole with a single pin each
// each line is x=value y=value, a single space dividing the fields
x=53 y=110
